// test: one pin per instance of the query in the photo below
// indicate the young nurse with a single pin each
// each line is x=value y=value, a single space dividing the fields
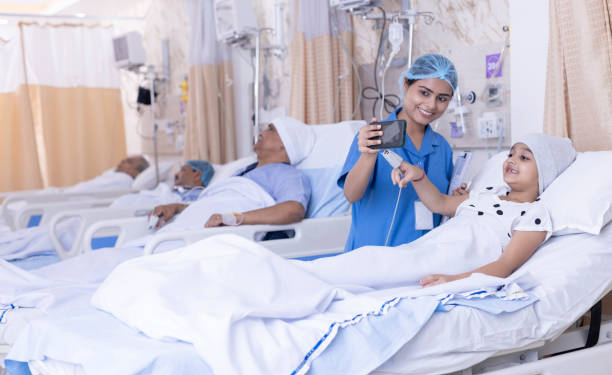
x=428 y=86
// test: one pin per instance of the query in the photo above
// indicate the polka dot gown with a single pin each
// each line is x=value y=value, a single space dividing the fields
x=505 y=217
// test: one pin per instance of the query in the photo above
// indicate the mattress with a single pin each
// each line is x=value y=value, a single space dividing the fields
x=572 y=273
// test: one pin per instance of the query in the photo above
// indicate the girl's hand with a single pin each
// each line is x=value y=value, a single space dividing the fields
x=405 y=173
x=363 y=139
x=436 y=279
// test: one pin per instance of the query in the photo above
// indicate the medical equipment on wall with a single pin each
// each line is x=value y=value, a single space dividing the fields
x=236 y=25
x=129 y=51
x=491 y=125
x=406 y=16
x=130 y=55
x=492 y=92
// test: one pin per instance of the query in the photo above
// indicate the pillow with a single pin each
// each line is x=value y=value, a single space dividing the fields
x=323 y=165
x=580 y=199
x=227 y=170
x=146 y=179
x=491 y=174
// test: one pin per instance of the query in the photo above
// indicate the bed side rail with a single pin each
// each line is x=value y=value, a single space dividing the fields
x=311 y=237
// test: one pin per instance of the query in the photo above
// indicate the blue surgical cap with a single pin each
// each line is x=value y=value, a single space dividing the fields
x=431 y=65
x=204 y=166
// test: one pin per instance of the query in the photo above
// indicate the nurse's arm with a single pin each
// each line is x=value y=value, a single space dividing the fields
x=428 y=193
x=358 y=177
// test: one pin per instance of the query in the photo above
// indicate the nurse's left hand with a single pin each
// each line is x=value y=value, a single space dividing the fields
x=436 y=279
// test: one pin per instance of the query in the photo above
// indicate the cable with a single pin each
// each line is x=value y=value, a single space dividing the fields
x=386 y=103
x=399 y=193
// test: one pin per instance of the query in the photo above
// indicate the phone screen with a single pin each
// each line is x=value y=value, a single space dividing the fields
x=394 y=134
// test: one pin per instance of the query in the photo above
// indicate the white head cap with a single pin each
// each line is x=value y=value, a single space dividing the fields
x=552 y=156
x=298 y=138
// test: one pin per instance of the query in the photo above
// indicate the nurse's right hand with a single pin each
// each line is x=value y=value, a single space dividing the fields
x=363 y=139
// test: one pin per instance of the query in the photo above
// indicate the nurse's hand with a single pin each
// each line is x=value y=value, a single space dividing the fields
x=436 y=279
x=363 y=139
x=405 y=173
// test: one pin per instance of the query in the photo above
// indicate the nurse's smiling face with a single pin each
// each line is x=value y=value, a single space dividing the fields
x=425 y=100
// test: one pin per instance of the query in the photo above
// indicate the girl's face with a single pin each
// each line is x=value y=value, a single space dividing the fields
x=426 y=100
x=520 y=169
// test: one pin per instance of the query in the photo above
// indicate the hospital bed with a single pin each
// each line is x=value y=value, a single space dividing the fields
x=31 y=208
x=327 y=211
x=572 y=273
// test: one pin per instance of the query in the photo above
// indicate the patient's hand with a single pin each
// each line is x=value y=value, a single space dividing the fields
x=167 y=212
x=215 y=220
x=405 y=173
x=436 y=279
x=461 y=190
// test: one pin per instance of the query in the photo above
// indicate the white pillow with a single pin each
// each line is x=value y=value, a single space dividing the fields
x=323 y=166
x=580 y=199
x=227 y=170
x=491 y=174
x=146 y=179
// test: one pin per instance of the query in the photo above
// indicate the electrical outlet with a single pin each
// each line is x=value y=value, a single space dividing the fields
x=490 y=125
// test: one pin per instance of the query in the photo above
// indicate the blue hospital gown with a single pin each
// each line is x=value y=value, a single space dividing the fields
x=371 y=216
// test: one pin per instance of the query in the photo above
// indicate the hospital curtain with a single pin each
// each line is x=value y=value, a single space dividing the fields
x=19 y=168
x=578 y=102
x=210 y=132
x=323 y=88
x=75 y=100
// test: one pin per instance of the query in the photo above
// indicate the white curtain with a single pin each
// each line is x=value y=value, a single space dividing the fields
x=75 y=101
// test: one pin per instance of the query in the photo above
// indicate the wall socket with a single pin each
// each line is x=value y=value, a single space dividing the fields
x=490 y=125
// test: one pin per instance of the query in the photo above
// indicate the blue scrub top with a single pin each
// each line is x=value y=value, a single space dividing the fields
x=371 y=216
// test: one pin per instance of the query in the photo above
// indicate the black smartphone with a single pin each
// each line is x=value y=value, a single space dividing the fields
x=394 y=134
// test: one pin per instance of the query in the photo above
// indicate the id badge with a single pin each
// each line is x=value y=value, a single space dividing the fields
x=423 y=218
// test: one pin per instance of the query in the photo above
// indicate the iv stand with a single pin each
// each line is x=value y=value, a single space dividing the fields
x=151 y=74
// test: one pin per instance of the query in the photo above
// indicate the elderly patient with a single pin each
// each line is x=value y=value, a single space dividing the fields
x=285 y=142
x=119 y=178
x=189 y=182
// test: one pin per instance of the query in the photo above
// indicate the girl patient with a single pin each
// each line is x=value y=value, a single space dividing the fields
x=514 y=214
x=493 y=231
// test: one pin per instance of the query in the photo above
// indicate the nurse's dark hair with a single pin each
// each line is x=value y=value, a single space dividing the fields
x=409 y=82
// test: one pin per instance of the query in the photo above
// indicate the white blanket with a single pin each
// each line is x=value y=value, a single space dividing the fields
x=109 y=180
x=235 y=194
x=30 y=241
x=247 y=310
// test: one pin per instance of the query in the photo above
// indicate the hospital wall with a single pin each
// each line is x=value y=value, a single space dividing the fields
x=462 y=30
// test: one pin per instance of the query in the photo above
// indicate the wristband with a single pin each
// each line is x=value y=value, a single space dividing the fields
x=420 y=178
x=232 y=219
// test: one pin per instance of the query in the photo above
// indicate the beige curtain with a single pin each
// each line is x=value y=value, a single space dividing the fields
x=19 y=168
x=578 y=101
x=80 y=132
x=323 y=88
x=210 y=132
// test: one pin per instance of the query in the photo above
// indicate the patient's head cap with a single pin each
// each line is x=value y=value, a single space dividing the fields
x=432 y=65
x=298 y=138
x=207 y=169
x=552 y=155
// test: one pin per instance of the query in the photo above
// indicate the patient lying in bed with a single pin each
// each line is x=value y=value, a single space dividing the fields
x=189 y=182
x=500 y=228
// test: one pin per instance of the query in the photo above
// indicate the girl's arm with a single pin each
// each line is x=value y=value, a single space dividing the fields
x=356 y=181
x=428 y=193
x=520 y=248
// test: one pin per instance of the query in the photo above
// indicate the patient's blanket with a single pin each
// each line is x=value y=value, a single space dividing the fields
x=109 y=180
x=247 y=310
x=36 y=240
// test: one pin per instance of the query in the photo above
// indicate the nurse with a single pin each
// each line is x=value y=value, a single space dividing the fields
x=428 y=87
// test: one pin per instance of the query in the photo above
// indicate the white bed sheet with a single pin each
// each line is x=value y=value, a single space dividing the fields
x=573 y=272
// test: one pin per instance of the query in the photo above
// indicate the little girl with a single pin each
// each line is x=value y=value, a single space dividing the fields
x=514 y=214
